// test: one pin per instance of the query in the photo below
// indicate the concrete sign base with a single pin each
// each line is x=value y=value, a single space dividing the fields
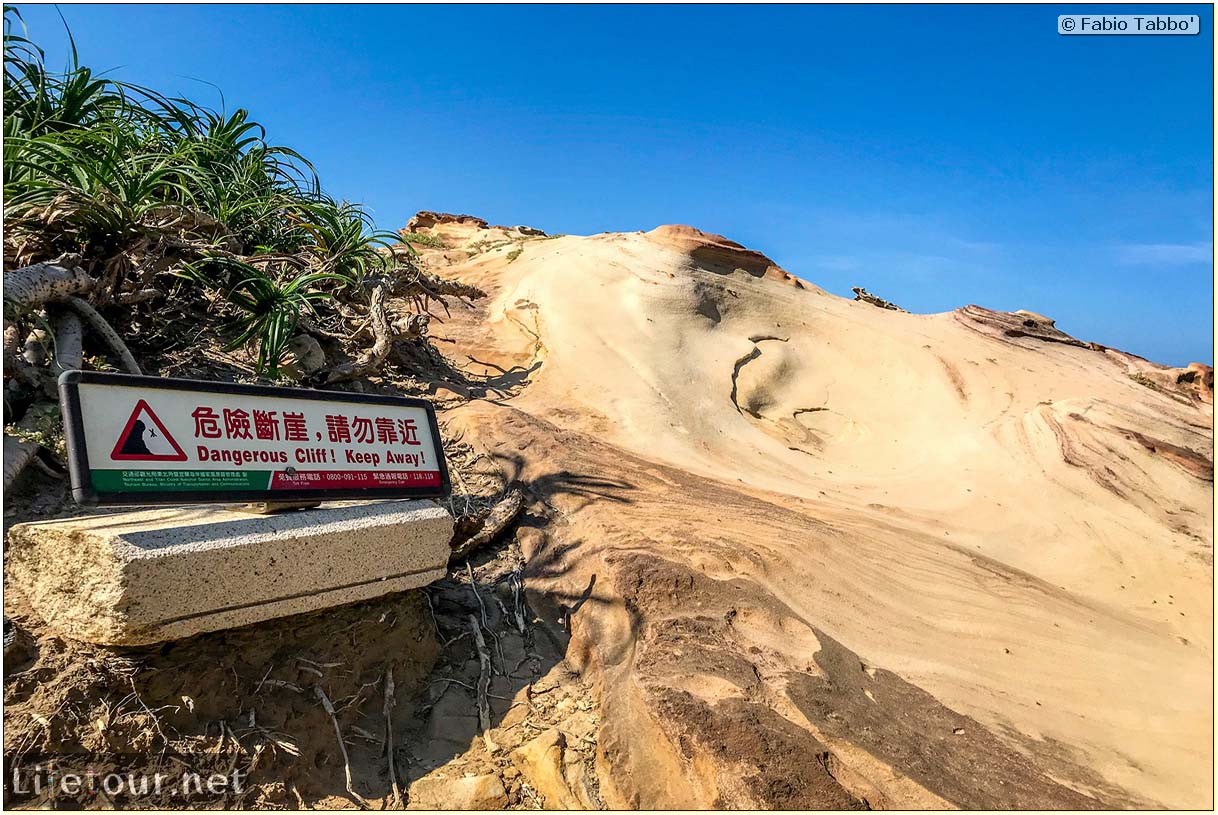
x=135 y=578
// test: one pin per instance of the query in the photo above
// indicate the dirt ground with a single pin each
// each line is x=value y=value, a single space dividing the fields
x=250 y=700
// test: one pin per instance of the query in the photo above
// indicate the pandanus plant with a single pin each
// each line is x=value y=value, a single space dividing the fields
x=123 y=204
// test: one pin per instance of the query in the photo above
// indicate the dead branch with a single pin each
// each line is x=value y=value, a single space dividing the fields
x=12 y=338
x=484 y=683
x=14 y=363
x=473 y=584
x=176 y=219
x=37 y=463
x=18 y=452
x=35 y=350
x=69 y=335
x=342 y=746
x=97 y=323
x=411 y=326
x=156 y=723
x=153 y=264
x=308 y=326
x=21 y=447
x=31 y=286
x=497 y=519
x=518 y=602
x=130 y=298
x=114 y=272
x=371 y=359
x=201 y=248
x=438 y=287
x=390 y=702
x=384 y=334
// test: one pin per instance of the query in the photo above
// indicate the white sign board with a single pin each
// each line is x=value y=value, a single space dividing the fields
x=144 y=440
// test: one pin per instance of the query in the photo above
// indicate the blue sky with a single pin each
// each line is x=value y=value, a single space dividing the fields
x=936 y=155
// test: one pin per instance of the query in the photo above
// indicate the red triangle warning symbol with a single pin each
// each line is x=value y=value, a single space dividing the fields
x=146 y=439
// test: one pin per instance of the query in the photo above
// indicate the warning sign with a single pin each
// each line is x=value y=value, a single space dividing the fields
x=147 y=440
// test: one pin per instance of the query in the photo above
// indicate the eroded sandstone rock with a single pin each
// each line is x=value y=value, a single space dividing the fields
x=541 y=763
x=472 y=792
x=425 y=219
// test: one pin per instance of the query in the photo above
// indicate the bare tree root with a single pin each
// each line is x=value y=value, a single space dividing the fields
x=19 y=452
x=484 y=683
x=371 y=359
x=31 y=286
x=342 y=745
x=387 y=710
x=12 y=338
x=201 y=248
x=439 y=287
x=130 y=298
x=411 y=327
x=35 y=351
x=97 y=323
x=114 y=272
x=69 y=340
x=179 y=220
x=39 y=463
x=497 y=519
x=384 y=334
x=14 y=362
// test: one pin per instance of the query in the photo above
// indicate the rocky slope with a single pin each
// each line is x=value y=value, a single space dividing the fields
x=818 y=553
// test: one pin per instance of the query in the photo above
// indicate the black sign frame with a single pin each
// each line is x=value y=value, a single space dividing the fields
x=78 y=455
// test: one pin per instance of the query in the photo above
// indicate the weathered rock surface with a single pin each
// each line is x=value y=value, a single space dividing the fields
x=1012 y=326
x=865 y=296
x=821 y=555
x=541 y=763
x=426 y=219
x=717 y=254
x=1195 y=382
x=473 y=792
